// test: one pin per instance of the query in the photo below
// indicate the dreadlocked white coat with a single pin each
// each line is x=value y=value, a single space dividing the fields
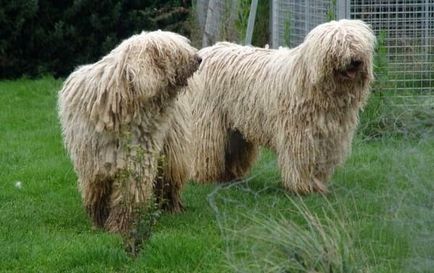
x=303 y=103
x=125 y=129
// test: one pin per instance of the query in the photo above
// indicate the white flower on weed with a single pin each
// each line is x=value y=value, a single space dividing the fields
x=18 y=185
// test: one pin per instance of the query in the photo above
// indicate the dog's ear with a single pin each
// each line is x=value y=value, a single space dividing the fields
x=123 y=82
x=145 y=71
x=158 y=64
x=314 y=65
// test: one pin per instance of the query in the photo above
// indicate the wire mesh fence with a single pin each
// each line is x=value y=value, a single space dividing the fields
x=405 y=29
x=293 y=19
x=407 y=32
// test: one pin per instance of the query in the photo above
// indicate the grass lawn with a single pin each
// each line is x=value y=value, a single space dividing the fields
x=381 y=206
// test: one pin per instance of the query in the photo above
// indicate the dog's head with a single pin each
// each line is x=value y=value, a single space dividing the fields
x=163 y=58
x=340 y=51
x=146 y=68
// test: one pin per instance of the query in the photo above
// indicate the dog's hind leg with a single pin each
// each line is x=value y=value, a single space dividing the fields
x=239 y=156
x=96 y=197
x=210 y=140
x=174 y=167
x=167 y=193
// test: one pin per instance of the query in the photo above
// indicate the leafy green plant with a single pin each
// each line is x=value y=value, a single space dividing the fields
x=145 y=212
x=381 y=66
x=261 y=32
x=331 y=11
x=242 y=18
x=287 y=30
x=373 y=122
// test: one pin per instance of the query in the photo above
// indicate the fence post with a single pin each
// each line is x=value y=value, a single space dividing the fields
x=306 y=16
x=427 y=34
x=201 y=7
x=251 y=22
x=212 y=23
x=343 y=9
x=275 y=36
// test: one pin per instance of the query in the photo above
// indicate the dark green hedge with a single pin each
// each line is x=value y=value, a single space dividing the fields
x=38 y=37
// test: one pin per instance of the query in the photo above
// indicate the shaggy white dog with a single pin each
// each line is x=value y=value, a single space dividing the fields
x=125 y=130
x=302 y=103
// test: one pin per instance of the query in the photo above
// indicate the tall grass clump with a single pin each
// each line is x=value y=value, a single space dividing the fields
x=315 y=244
x=404 y=115
x=297 y=239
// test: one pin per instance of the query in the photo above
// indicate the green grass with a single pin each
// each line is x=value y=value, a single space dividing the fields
x=380 y=207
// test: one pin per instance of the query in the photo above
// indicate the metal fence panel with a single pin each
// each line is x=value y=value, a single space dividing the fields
x=293 y=19
x=407 y=28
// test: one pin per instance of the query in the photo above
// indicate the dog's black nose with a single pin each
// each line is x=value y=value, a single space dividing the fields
x=199 y=59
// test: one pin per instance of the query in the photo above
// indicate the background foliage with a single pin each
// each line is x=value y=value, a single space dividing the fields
x=44 y=36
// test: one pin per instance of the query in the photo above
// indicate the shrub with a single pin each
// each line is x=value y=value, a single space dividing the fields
x=55 y=36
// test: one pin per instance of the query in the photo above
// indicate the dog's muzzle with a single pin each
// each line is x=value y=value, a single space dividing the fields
x=351 y=70
x=197 y=62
